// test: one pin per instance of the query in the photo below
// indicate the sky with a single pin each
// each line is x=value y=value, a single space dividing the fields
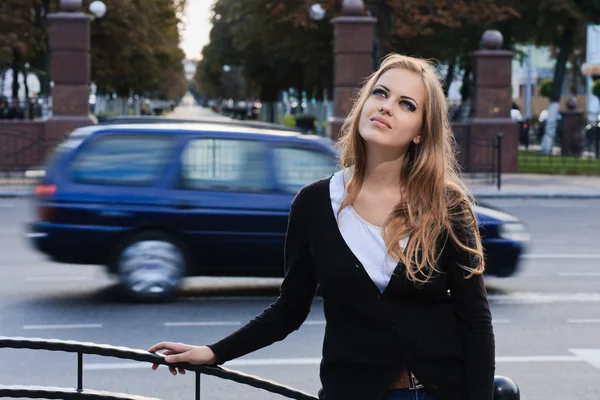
x=196 y=27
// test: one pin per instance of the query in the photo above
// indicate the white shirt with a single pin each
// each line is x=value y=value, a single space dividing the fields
x=364 y=239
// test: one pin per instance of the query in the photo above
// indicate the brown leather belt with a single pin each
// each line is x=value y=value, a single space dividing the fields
x=403 y=381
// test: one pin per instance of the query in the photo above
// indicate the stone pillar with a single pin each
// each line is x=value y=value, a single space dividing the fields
x=69 y=69
x=571 y=128
x=492 y=101
x=353 y=59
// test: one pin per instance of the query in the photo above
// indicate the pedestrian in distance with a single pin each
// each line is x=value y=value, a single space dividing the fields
x=393 y=244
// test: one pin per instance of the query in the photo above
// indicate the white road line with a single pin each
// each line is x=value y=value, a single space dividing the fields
x=583 y=321
x=58 y=279
x=203 y=323
x=580 y=274
x=7 y=205
x=64 y=326
x=544 y=298
x=537 y=359
x=501 y=321
x=561 y=256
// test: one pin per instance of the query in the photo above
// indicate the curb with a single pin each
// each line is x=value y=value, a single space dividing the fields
x=16 y=194
x=526 y=195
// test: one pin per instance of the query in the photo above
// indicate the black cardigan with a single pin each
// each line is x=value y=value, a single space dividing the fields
x=442 y=331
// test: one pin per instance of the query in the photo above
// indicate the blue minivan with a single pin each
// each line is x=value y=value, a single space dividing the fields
x=155 y=203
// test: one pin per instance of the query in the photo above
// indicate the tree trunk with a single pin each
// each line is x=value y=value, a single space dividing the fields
x=449 y=76
x=15 y=82
x=566 y=47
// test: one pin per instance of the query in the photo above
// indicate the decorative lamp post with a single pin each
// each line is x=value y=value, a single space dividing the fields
x=98 y=8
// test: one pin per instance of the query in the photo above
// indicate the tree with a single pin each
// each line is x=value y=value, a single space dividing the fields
x=274 y=53
x=135 y=49
x=440 y=29
x=20 y=36
x=561 y=24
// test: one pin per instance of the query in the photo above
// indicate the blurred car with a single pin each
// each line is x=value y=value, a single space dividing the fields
x=155 y=203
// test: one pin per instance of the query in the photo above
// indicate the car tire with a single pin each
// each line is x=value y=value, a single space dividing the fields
x=150 y=266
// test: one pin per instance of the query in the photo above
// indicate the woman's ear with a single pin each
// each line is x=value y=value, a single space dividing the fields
x=417 y=139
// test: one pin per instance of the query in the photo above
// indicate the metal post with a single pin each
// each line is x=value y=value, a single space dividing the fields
x=197 y=385
x=499 y=155
x=79 y=371
x=596 y=130
x=529 y=87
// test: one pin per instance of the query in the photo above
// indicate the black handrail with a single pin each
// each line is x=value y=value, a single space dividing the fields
x=504 y=388
x=46 y=392
x=81 y=348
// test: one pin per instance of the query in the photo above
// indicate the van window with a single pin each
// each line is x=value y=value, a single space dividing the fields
x=225 y=164
x=122 y=160
x=298 y=166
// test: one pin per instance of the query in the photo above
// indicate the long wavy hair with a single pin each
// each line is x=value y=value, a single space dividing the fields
x=435 y=202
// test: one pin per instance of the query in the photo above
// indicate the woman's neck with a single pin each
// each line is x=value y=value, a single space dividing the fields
x=383 y=171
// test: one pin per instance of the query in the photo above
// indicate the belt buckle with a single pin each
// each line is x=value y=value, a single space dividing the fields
x=414 y=383
x=416 y=387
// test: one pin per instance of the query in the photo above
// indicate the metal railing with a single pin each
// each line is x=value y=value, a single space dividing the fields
x=481 y=160
x=81 y=348
x=504 y=388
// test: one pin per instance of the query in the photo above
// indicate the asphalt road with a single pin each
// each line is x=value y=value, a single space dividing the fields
x=547 y=318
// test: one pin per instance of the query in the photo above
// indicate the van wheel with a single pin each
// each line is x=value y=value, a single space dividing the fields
x=150 y=266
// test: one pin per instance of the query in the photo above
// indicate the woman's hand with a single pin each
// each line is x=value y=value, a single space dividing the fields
x=183 y=353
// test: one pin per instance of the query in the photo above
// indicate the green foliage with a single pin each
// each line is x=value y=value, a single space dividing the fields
x=545 y=87
x=596 y=88
x=135 y=46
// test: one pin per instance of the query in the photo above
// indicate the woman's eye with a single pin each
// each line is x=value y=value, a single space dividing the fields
x=379 y=92
x=410 y=106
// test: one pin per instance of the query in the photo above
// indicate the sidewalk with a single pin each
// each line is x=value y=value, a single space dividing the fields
x=188 y=111
x=539 y=186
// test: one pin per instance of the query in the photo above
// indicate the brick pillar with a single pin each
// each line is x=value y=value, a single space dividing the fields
x=492 y=100
x=572 y=119
x=69 y=69
x=353 y=59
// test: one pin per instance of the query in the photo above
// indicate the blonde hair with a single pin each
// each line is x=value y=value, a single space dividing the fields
x=435 y=201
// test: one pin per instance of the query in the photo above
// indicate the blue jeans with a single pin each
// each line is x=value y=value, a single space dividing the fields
x=406 y=394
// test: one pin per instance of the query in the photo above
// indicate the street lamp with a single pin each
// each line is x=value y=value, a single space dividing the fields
x=98 y=8
x=317 y=12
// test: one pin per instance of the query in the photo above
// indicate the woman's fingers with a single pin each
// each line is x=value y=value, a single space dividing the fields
x=174 y=347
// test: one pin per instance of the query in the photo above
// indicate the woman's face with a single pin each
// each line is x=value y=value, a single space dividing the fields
x=392 y=116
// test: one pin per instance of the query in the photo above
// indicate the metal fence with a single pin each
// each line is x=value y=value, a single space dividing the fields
x=22 y=148
x=573 y=154
x=481 y=160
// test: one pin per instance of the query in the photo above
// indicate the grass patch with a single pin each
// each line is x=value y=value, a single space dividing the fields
x=535 y=163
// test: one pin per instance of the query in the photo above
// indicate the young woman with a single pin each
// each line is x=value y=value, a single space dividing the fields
x=393 y=243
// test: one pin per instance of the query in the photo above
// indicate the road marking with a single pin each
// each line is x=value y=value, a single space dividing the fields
x=58 y=278
x=584 y=321
x=561 y=256
x=537 y=359
x=65 y=326
x=544 y=298
x=581 y=274
x=501 y=321
x=203 y=323
x=7 y=205
x=590 y=356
